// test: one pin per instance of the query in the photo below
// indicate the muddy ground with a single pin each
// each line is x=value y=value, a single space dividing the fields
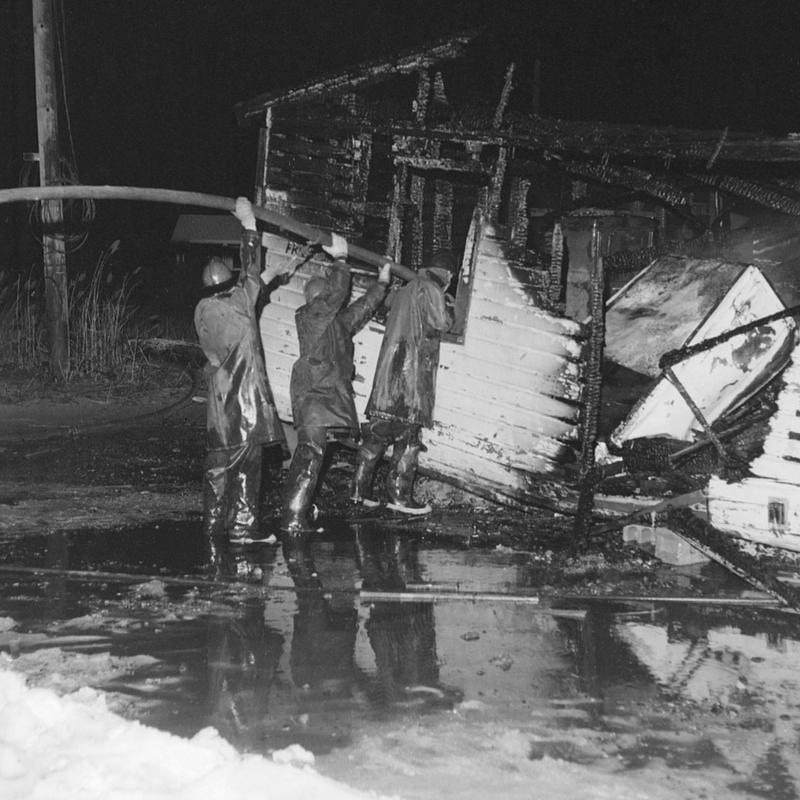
x=105 y=458
x=623 y=699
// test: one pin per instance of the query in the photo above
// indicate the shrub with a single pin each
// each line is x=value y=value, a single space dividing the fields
x=22 y=344
x=99 y=319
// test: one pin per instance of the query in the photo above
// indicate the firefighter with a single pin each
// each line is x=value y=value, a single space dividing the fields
x=241 y=415
x=404 y=388
x=322 y=378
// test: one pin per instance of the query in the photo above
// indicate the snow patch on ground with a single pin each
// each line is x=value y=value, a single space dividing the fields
x=74 y=746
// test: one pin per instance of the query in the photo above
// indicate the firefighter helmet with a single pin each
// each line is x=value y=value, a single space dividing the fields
x=216 y=272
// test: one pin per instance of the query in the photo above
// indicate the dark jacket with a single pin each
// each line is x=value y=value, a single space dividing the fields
x=405 y=378
x=240 y=405
x=322 y=378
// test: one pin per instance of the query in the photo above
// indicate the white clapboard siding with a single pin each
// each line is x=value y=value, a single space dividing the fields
x=506 y=398
x=719 y=378
x=781 y=457
x=766 y=508
x=743 y=509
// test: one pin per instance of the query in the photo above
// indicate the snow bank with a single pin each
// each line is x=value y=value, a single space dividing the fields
x=75 y=747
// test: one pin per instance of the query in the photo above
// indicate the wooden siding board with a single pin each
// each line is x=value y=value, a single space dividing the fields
x=498 y=371
x=505 y=427
x=495 y=299
x=742 y=509
x=499 y=391
x=483 y=339
x=488 y=317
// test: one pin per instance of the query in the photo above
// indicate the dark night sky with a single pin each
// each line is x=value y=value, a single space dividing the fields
x=151 y=84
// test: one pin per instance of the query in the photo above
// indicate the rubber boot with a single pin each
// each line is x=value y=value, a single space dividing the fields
x=301 y=483
x=246 y=485
x=215 y=489
x=400 y=480
x=369 y=454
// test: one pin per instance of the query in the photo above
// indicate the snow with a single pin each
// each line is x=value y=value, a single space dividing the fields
x=74 y=746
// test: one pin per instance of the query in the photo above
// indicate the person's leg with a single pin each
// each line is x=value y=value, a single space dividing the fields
x=246 y=483
x=403 y=471
x=215 y=490
x=301 y=482
x=216 y=505
x=370 y=451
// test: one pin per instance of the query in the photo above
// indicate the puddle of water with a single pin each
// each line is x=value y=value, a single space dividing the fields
x=287 y=652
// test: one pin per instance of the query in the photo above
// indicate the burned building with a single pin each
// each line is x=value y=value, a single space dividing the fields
x=548 y=218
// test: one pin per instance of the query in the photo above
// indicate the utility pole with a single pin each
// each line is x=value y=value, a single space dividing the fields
x=54 y=252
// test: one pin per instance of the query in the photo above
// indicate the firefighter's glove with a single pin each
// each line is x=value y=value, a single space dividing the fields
x=244 y=213
x=385 y=274
x=337 y=249
x=271 y=272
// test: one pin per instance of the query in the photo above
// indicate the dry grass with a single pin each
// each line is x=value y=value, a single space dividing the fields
x=22 y=342
x=104 y=329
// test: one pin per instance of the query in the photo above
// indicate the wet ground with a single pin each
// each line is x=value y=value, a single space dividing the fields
x=467 y=655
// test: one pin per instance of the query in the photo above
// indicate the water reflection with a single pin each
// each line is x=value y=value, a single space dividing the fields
x=402 y=634
x=319 y=698
x=243 y=656
x=323 y=636
x=243 y=651
x=280 y=649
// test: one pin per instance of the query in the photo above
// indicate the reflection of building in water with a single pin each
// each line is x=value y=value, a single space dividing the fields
x=745 y=672
x=711 y=664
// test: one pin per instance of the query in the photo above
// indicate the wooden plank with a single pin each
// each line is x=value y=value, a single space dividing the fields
x=782 y=448
x=519 y=313
x=282 y=164
x=492 y=371
x=742 y=509
x=529 y=366
x=468 y=166
x=350 y=79
x=778 y=469
x=507 y=425
x=490 y=330
x=474 y=384
x=288 y=145
x=460 y=458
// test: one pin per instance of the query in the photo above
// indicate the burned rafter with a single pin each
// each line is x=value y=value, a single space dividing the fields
x=350 y=79
x=632 y=178
x=468 y=166
x=597 y=139
x=750 y=190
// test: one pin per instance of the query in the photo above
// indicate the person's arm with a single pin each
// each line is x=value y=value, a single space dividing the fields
x=358 y=313
x=338 y=285
x=438 y=314
x=249 y=250
x=338 y=280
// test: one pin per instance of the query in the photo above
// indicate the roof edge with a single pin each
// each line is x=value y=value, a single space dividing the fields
x=402 y=63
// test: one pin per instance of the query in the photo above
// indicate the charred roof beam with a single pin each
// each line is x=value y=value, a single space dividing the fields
x=765 y=196
x=249 y=111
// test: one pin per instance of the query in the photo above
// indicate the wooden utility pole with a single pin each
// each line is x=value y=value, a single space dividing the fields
x=54 y=253
x=593 y=388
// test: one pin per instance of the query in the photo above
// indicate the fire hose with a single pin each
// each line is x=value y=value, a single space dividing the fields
x=311 y=234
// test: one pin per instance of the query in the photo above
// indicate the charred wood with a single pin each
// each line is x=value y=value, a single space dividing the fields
x=756 y=193
x=631 y=178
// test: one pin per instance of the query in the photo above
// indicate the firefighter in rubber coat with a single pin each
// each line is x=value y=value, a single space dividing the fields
x=241 y=416
x=404 y=388
x=322 y=378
